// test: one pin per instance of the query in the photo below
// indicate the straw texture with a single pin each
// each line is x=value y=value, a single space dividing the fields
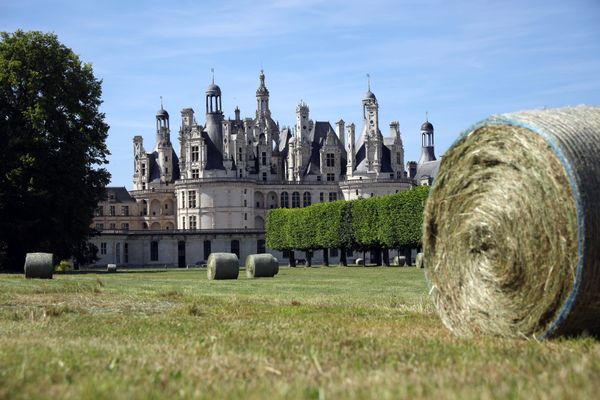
x=39 y=265
x=222 y=266
x=511 y=226
x=261 y=266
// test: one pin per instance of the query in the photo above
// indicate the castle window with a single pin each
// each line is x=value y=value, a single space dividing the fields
x=125 y=227
x=182 y=199
x=330 y=177
x=125 y=210
x=264 y=176
x=166 y=170
x=195 y=153
x=285 y=200
x=330 y=159
x=143 y=169
x=306 y=199
x=263 y=158
x=192 y=200
x=245 y=203
x=332 y=196
x=99 y=211
x=195 y=174
x=112 y=211
x=245 y=216
x=235 y=247
x=207 y=249
x=318 y=178
x=103 y=248
x=295 y=200
x=143 y=186
x=239 y=158
x=166 y=158
x=356 y=192
x=321 y=197
x=112 y=226
x=154 y=250
x=99 y=227
x=183 y=222
x=192 y=222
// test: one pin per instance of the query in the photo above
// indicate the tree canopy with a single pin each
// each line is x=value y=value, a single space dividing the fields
x=394 y=221
x=52 y=137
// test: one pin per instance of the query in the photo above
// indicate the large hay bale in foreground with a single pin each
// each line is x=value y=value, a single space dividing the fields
x=261 y=266
x=512 y=224
x=39 y=265
x=222 y=266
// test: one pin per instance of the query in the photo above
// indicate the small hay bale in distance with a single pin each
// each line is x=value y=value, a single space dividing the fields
x=222 y=266
x=359 y=261
x=261 y=266
x=512 y=226
x=111 y=268
x=39 y=265
x=399 y=261
x=419 y=261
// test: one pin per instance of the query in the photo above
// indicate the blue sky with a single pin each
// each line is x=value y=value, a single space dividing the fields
x=460 y=61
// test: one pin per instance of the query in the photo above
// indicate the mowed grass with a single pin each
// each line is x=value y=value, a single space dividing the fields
x=328 y=333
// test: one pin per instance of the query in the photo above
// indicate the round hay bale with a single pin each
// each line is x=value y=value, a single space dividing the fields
x=39 y=265
x=399 y=261
x=222 y=266
x=261 y=265
x=111 y=268
x=512 y=223
x=419 y=262
x=276 y=265
x=359 y=261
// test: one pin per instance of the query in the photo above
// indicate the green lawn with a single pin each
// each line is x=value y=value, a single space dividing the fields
x=333 y=333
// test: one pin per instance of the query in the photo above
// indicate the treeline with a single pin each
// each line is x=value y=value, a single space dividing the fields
x=376 y=224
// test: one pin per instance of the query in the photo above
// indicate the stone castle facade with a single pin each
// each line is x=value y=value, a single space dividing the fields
x=215 y=195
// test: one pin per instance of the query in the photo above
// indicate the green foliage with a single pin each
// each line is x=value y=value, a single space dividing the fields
x=401 y=218
x=63 y=266
x=276 y=226
x=52 y=137
x=364 y=222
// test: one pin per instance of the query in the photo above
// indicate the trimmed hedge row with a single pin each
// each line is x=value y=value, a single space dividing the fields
x=394 y=221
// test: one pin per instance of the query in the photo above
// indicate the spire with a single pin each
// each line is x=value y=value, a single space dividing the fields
x=369 y=81
x=212 y=70
x=161 y=104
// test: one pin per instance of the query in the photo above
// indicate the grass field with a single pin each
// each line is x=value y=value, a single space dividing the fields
x=322 y=333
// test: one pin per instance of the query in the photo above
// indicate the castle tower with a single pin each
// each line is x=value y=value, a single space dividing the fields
x=214 y=116
x=164 y=148
x=302 y=121
x=427 y=149
x=371 y=135
x=340 y=128
x=350 y=164
x=140 y=164
x=262 y=99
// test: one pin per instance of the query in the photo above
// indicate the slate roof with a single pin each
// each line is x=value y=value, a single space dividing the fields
x=317 y=138
x=427 y=169
x=118 y=194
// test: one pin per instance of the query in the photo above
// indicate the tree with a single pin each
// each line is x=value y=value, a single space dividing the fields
x=52 y=137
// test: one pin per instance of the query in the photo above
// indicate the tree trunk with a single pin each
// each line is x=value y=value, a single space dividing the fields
x=343 y=258
x=292 y=259
x=326 y=257
x=308 y=254
x=386 y=257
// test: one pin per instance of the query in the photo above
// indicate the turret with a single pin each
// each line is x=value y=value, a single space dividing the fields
x=340 y=128
x=214 y=116
x=302 y=122
x=427 y=145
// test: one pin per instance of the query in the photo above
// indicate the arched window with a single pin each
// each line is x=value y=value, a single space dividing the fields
x=285 y=200
x=235 y=247
x=306 y=200
x=295 y=200
x=154 y=251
